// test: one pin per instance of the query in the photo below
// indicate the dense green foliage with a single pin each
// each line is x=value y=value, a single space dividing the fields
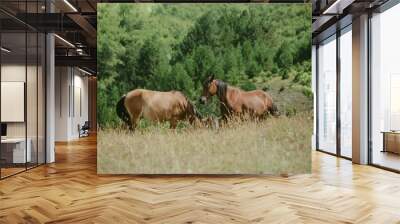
x=176 y=46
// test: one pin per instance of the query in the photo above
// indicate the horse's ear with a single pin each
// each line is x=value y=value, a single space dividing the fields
x=212 y=77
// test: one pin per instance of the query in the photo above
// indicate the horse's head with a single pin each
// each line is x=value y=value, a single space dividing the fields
x=210 y=88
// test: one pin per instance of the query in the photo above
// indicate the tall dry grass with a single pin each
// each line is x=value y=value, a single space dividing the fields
x=272 y=146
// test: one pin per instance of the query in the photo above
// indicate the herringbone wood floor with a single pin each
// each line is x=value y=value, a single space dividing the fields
x=69 y=191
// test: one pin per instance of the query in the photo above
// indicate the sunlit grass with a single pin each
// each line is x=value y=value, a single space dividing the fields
x=272 y=146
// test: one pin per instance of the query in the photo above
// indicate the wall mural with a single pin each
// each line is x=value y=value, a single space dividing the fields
x=204 y=88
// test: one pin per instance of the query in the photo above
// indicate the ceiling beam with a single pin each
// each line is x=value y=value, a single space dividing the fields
x=49 y=22
x=206 y=1
x=79 y=61
x=337 y=7
x=86 y=27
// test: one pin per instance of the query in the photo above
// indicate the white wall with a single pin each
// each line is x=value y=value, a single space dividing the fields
x=62 y=81
x=70 y=83
x=34 y=125
x=9 y=73
x=16 y=73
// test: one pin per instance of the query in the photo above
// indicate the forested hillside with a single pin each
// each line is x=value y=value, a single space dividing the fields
x=176 y=46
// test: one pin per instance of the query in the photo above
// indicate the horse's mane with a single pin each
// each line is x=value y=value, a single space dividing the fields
x=222 y=87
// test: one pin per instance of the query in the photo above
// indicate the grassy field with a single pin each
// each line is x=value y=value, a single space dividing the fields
x=273 y=146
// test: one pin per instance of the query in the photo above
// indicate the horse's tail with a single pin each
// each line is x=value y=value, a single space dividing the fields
x=122 y=112
x=274 y=110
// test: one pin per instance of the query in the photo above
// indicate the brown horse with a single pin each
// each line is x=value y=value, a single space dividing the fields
x=234 y=101
x=156 y=106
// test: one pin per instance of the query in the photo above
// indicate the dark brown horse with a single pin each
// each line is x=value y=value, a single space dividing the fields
x=155 y=106
x=234 y=101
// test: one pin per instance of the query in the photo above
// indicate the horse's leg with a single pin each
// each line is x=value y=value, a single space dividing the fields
x=132 y=124
x=225 y=113
x=257 y=116
x=134 y=121
x=173 y=123
x=265 y=115
x=223 y=121
x=129 y=123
